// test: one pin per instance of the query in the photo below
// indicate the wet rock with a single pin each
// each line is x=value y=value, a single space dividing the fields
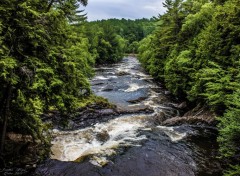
x=122 y=73
x=82 y=158
x=134 y=109
x=206 y=118
x=97 y=83
x=149 y=80
x=160 y=100
x=67 y=169
x=107 y=112
x=205 y=153
x=103 y=136
x=182 y=105
x=83 y=117
x=159 y=118
x=200 y=115
x=89 y=117
x=108 y=88
x=67 y=124
x=137 y=100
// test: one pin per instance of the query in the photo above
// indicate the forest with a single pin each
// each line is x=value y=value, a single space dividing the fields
x=195 y=50
x=111 y=39
x=48 y=51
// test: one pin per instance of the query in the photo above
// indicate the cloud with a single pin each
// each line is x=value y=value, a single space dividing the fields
x=129 y=9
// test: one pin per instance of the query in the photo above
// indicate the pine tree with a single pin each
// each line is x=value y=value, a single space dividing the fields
x=196 y=50
x=43 y=63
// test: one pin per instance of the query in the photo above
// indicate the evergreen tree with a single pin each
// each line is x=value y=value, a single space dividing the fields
x=43 y=63
x=195 y=51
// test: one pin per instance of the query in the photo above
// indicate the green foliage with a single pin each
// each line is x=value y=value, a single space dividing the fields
x=194 y=23
x=133 y=47
x=145 y=51
x=46 y=56
x=229 y=129
x=128 y=32
x=109 y=46
x=195 y=50
x=106 y=46
x=234 y=171
x=94 y=100
x=178 y=73
x=110 y=39
x=43 y=61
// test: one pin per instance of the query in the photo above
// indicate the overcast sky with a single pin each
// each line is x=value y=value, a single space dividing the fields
x=129 y=9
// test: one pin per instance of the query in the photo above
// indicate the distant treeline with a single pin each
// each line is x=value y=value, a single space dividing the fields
x=110 y=39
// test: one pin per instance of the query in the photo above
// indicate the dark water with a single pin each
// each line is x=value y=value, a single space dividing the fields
x=134 y=144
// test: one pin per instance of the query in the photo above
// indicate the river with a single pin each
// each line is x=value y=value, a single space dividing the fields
x=134 y=143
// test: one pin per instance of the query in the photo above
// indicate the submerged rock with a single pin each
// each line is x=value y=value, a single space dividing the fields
x=103 y=136
x=108 y=88
x=137 y=100
x=159 y=117
x=122 y=73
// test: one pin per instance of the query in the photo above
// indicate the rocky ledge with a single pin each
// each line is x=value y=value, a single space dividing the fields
x=90 y=115
x=200 y=115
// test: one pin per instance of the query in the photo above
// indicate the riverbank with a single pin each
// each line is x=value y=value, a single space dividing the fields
x=135 y=142
x=143 y=129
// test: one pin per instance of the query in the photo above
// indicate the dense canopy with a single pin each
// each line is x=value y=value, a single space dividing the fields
x=195 y=50
x=48 y=51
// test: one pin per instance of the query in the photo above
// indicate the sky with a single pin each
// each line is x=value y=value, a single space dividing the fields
x=128 y=9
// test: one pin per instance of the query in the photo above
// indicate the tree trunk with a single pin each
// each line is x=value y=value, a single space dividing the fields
x=6 y=115
x=50 y=5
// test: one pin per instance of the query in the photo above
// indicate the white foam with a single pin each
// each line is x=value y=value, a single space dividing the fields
x=174 y=135
x=69 y=146
x=133 y=87
x=100 y=78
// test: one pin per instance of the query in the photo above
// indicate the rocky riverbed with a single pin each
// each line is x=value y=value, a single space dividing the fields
x=136 y=138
